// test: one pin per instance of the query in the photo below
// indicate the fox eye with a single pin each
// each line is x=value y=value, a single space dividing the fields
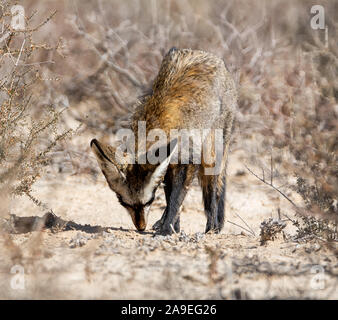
x=150 y=201
x=123 y=203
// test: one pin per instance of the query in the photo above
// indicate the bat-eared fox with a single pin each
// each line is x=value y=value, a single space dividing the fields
x=193 y=92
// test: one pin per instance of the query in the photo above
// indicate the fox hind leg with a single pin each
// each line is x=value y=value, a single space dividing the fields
x=221 y=182
x=213 y=189
x=208 y=184
x=221 y=203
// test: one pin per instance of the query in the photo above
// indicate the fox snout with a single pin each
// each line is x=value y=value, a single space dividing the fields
x=139 y=218
x=141 y=227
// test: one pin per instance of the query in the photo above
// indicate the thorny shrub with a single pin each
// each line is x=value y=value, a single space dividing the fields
x=28 y=127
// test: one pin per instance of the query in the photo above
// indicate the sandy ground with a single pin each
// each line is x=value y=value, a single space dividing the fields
x=117 y=262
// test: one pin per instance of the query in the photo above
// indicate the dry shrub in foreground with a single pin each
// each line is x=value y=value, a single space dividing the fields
x=28 y=126
x=29 y=131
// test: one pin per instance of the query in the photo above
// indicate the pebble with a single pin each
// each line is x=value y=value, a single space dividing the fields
x=78 y=241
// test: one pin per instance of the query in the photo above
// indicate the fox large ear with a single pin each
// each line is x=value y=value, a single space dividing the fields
x=105 y=156
x=157 y=176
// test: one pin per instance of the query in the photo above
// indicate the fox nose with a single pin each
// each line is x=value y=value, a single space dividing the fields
x=140 y=224
x=141 y=228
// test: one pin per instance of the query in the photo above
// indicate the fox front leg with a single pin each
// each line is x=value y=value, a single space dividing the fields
x=167 y=190
x=177 y=181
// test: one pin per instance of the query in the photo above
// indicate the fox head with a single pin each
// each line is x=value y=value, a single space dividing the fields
x=135 y=185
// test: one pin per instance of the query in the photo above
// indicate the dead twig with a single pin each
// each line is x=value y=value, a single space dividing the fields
x=247 y=230
x=270 y=184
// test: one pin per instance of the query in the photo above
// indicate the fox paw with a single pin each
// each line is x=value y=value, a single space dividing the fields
x=169 y=229
x=165 y=231
x=157 y=225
